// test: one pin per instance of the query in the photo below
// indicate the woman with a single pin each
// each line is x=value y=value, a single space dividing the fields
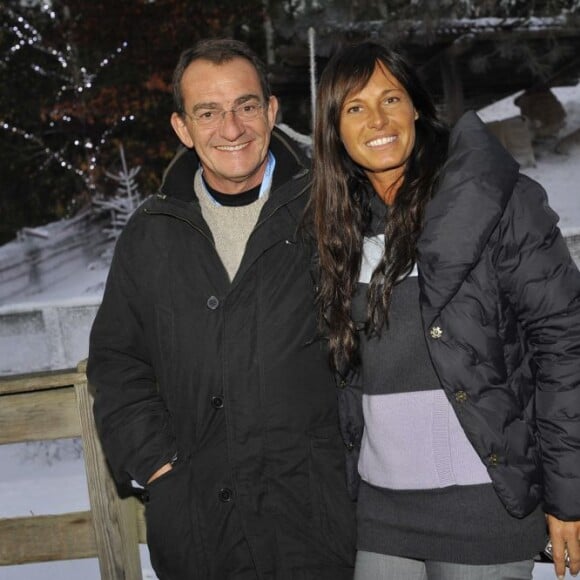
x=445 y=281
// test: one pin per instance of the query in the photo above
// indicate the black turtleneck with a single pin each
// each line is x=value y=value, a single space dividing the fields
x=235 y=199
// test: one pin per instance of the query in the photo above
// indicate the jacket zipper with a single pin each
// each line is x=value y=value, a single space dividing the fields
x=259 y=223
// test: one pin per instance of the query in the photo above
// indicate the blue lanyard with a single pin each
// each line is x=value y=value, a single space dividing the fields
x=266 y=181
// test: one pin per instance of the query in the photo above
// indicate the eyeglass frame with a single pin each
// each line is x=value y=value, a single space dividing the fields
x=221 y=113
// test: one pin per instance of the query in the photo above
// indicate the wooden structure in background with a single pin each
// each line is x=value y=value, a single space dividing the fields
x=56 y=405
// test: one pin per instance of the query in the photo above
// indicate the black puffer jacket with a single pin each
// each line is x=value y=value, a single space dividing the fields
x=500 y=301
x=230 y=377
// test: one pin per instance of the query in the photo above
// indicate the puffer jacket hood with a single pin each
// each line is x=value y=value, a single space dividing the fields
x=458 y=226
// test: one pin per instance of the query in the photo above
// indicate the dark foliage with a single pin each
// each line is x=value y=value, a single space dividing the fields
x=36 y=189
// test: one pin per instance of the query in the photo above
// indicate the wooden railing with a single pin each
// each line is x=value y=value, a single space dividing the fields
x=57 y=405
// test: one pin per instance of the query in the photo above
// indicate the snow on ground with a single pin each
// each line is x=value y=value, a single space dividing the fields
x=48 y=478
x=32 y=484
x=559 y=174
x=80 y=288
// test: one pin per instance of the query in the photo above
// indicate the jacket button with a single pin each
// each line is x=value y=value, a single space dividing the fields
x=349 y=446
x=212 y=302
x=461 y=396
x=217 y=401
x=342 y=384
x=225 y=494
x=493 y=459
x=436 y=332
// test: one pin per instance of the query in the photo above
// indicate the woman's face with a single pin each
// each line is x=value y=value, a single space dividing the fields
x=377 y=128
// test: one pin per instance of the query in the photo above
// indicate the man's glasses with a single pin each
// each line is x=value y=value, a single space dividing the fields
x=210 y=117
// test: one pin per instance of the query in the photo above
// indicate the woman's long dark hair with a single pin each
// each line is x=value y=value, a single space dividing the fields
x=339 y=207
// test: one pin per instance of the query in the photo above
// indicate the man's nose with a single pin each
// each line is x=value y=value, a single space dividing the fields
x=231 y=127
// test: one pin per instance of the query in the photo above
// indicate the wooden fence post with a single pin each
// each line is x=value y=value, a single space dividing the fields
x=114 y=519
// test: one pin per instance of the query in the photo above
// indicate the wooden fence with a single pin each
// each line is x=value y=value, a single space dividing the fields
x=56 y=405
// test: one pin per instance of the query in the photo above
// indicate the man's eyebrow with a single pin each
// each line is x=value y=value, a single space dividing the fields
x=238 y=101
x=246 y=98
x=206 y=106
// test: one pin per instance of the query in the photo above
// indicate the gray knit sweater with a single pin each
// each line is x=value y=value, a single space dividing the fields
x=231 y=226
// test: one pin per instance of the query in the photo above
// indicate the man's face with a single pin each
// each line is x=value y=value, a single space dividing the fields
x=232 y=150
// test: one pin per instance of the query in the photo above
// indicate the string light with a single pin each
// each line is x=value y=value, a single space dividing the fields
x=52 y=155
x=25 y=35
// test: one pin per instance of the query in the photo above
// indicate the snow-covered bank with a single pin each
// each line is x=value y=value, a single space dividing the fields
x=45 y=336
x=559 y=173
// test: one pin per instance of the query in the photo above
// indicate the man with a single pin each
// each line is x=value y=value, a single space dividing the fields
x=212 y=390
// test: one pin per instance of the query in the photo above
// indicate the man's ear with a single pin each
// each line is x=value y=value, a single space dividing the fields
x=181 y=130
x=272 y=111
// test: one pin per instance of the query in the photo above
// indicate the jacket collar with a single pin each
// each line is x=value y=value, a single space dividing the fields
x=290 y=181
x=476 y=184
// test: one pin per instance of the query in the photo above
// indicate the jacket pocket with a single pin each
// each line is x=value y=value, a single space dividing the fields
x=169 y=525
x=332 y=510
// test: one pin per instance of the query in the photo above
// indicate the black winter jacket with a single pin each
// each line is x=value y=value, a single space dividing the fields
x=500 y=302
x=232 y=379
